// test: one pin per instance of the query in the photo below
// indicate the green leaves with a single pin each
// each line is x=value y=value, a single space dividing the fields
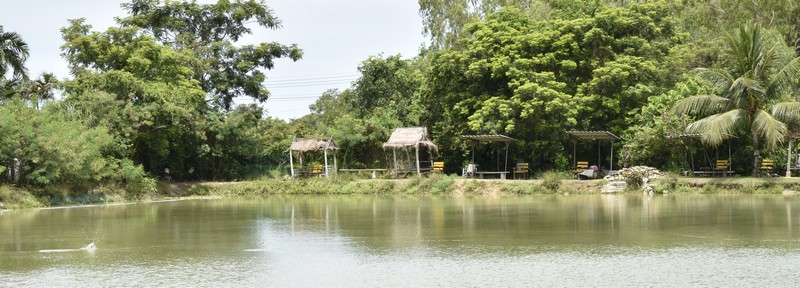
x=210 y=31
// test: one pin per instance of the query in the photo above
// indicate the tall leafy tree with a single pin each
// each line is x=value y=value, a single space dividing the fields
x=141 y=90
x=753 y=92
x=531 y=79
x=210 y=31
x=13 y=53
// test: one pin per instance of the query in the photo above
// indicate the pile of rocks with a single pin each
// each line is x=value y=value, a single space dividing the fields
x=627 y=173
x=617 y=181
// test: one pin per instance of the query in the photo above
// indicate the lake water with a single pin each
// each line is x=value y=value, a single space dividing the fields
x=410 y=241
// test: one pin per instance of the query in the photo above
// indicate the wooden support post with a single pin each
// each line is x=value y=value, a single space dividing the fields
x=505 y=167
x=335 y=167
x=291 y=164
x=394 y=154
x=325 y=152
x=417 y=151
x=789 y=160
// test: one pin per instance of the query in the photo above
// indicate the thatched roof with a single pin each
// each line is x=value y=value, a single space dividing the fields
x=409 y=136
x=312 y=144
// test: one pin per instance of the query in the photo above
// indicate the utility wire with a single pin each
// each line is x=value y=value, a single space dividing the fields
x=330 y=78
x=296 y=85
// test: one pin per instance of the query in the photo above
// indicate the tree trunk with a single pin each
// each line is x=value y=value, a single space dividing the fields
x=756 y=154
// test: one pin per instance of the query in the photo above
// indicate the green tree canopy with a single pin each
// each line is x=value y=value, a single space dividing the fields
x=210 y=33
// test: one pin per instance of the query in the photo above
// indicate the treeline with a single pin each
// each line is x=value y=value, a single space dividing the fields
x=156 y=90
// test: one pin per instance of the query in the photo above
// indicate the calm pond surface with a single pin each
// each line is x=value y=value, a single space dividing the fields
x=410 y=241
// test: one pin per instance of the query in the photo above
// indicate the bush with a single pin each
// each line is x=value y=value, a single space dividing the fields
x=551 y=180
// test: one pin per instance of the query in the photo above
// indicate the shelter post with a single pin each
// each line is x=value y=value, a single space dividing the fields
x=394 y=155
x=416 y=148
x=506 y=164
x=291 y=164
x=335 y=167
x=789 y=160
x=326 y=162
x=574 y=153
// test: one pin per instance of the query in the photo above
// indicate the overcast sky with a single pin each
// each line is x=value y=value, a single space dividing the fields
x=334 y=35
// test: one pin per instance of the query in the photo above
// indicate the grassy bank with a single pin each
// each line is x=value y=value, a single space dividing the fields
x=546 y=183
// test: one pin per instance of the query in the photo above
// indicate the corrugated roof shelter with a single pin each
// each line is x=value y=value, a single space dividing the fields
x=491 y=138
x=594 y=135
x=407 y=137
x=303 y=145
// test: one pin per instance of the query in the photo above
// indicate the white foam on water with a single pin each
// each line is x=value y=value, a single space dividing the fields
x=59 y=250
x=257 y=250
x=91 y=247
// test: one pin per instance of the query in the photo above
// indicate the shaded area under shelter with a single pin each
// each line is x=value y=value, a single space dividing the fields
x=303 y=146
x=596 y=136
x=406 y=138
x=472 y=168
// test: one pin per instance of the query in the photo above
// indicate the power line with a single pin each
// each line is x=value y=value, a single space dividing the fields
x=354 y=76
x=290 y=77
x=297 y=85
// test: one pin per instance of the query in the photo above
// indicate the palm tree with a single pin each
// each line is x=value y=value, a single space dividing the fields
x=13 y=53
x=757 y=77
x=40 y=89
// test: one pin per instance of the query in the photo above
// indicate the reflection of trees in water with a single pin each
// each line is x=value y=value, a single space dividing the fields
x=200 y=228
x=384 y=222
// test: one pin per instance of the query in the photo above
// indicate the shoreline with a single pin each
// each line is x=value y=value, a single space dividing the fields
x=435 y=185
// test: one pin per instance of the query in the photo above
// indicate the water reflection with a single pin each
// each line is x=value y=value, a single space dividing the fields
x=372 y=241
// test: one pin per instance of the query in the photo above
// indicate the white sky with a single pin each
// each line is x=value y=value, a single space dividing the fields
x=335 y=37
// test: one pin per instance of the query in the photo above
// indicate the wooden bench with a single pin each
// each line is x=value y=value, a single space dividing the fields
x=722 y=167
x=580 y=166
x=522 y=168
x=438 y=167
x=314 y=170
x=767 y=166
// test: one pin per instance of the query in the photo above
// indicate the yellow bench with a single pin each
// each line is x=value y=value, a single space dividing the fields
x=314 y=170
x=722 y=167
x=767 y=166
x=438 y=167
x=522 y=168
x=581 y=166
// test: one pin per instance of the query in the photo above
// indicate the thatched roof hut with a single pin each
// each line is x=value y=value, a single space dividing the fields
x=410 y=137
x=303 y=145
x=312 y=144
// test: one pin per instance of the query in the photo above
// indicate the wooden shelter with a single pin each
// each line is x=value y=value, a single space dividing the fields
x=596 y=136
x=491 y=138
x=304 y=145
x=408 y=137
x=710 y=165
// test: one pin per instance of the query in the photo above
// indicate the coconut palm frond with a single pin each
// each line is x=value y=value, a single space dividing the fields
x=771 y=130
x=744 y=90
x=718 y=127
x=720 y=79
x=702 y=104
x=786 y=75
x=786 y=111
